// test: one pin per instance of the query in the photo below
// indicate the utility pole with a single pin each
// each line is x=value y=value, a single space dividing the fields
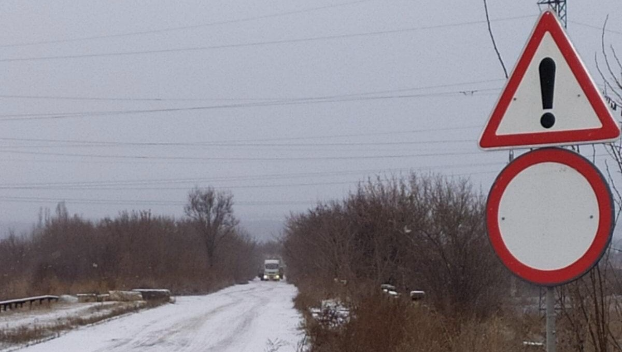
x=559 y=6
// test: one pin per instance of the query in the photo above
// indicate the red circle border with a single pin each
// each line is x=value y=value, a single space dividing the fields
x=604 y=230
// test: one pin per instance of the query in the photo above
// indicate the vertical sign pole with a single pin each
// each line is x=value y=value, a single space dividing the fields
x=550 y=319
x=559 y=6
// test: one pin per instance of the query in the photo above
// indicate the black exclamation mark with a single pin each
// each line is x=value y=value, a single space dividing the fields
x=547 y=88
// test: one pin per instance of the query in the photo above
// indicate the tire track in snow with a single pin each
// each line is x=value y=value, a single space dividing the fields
x=238 y=332
x=235 y=319
x=159 y=336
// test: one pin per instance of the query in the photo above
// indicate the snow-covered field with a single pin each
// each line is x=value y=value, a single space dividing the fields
x=256 y=317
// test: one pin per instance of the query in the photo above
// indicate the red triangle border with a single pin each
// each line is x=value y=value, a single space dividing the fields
x=609 y=130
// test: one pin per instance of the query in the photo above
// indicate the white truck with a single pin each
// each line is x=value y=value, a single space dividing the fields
x=272 y=270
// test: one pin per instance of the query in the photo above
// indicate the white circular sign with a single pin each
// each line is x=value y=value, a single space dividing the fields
x=550 y=216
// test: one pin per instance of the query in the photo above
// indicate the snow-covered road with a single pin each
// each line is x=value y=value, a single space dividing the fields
x=256 y=317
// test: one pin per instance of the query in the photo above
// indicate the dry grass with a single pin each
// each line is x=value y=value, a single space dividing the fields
x=382 y=324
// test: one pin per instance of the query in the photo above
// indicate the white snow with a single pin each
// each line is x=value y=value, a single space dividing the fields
x=47 y=316
x=256 y=317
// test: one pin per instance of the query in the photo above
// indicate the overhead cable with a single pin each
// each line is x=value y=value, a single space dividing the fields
x=251 y=44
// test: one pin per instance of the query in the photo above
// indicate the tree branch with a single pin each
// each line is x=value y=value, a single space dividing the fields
x=494 y=43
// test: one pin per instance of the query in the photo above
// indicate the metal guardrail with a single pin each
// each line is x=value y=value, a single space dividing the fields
x=20 y=302
x=154 y=294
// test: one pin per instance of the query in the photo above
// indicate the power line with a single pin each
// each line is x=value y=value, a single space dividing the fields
x=135 y=160
x=99 y=201
x=164 y=202
x=253 y=44
x=307 y=146
x=180 y=28
x=142 y=182
x=54 y=116
x=257 y=140
x=246 y=99
x=595 y=27
x=252 y=186
x=96 y=201
x=253 y=140
x=236 y=159
x=131 y=162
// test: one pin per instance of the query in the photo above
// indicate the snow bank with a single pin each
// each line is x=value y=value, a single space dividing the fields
x=250 y=318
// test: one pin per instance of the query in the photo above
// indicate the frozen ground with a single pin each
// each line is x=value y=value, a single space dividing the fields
x=44 y=316
x=257 y=317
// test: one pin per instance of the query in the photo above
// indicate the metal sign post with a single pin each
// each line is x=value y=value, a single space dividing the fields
x=550 y=319
x=550 y=212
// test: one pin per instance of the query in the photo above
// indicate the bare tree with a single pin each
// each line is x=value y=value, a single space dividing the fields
x=591 y=309
x=494 y=43
x=611 y=75
x=211 y=213
x=424 y=232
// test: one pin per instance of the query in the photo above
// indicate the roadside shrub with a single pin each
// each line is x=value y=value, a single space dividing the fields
x=384 y=324
x=419 y=233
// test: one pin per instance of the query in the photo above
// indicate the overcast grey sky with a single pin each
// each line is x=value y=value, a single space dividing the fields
x=126 y=105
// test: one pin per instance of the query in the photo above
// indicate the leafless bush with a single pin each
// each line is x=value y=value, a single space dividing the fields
x=590 y=306
x=68 y=254
x=422 y=233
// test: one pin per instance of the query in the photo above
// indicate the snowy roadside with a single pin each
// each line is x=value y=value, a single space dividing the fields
x=21 y=328
x=258 y=317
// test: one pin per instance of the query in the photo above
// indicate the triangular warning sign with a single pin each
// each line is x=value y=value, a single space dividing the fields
x=550 y=98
